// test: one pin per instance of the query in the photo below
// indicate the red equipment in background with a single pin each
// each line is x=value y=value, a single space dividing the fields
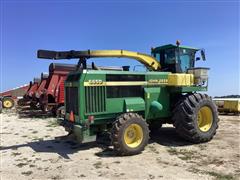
x=9 y=97
x=52 y=97
x=32 y=87
x=36 y=95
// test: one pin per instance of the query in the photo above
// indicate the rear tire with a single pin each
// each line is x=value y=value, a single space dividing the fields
x=195 y=118
x=7 y=102
x=130 y=134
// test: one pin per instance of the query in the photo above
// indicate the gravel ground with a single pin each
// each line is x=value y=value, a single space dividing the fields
x=33 y=146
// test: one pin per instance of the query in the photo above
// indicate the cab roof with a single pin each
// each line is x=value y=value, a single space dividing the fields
x=170 y=46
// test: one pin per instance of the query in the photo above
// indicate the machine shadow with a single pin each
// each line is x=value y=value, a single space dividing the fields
x=62 y=145
x=167 y=136
x=65 y=145
x=27 y=112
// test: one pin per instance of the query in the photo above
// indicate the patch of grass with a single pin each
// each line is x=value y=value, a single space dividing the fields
x=202 y=146
x=216 y=162
x=32 y=165
x=162 y=162
x=184 y=154
x=151 y=176
x=16 y=153
x=194 y=170
x=98 y=165
x=27 y=173
x=56 y=177
x=53 y=124
x=172 y=151
x=220 y=176
x=118 y=175
x=117 y=162
x=20 y=165
x=35 y=138
x=153 y=149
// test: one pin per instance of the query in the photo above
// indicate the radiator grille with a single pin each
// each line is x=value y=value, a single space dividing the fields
x=72 y=100
x=95 y=99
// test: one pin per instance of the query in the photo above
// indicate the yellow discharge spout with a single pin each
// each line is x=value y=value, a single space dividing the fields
x=145 y=59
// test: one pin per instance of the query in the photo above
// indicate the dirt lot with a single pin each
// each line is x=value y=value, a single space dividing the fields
x=35 y=147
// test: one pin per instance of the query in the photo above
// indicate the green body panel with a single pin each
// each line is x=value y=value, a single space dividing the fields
x=134 y=104
x=115 y=106
x=160 y=95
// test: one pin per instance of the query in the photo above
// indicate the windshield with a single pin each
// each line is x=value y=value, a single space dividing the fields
x=186 y=59
x=176 y=60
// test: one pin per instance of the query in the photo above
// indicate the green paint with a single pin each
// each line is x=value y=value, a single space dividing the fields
x=134 y=104
x=156 y=106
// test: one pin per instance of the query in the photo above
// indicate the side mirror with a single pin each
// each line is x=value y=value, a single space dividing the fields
x=203 y=55
x=198 y=59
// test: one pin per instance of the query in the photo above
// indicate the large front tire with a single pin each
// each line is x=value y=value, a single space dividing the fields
x=130 y=134
x=195 y=118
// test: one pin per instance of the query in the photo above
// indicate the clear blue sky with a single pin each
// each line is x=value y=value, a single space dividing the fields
x=27 y=26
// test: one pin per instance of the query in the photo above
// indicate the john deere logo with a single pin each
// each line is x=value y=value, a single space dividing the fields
x=158 y=81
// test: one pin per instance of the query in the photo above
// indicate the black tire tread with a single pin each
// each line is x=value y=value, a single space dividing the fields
x=184 y=114
x=117 y=125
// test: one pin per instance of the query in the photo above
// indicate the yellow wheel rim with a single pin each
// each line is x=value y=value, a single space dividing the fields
x=133 y=135
x=205 y=118
x=7 y=104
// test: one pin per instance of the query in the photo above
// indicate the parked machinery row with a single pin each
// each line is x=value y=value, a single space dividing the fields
x=126 y=104
x=47 y=93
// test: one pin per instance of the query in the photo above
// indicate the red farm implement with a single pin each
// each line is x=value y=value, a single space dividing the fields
x=52 y=96
x=33 y=86
x=36 y=95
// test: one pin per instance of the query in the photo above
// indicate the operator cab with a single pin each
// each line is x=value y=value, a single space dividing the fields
x=175 y=58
